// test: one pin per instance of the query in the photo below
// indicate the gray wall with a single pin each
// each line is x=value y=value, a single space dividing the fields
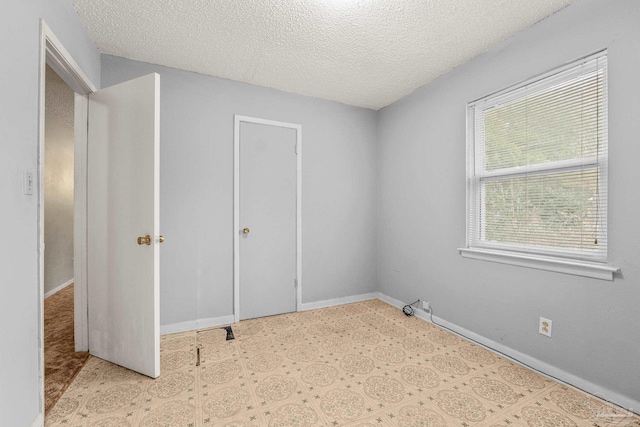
x=596 y=324
x=19 y=82
x=58 y=183
x=196 y=188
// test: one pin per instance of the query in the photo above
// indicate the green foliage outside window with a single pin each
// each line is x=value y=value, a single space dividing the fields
x=554 y=208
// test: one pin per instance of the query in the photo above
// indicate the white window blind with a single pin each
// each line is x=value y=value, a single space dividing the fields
x=537 y=165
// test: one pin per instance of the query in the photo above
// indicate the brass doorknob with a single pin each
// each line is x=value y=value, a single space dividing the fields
x=161 y=239
x=246 y=230
x=146 y=240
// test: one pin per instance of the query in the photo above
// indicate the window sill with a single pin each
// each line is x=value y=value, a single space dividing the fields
x=577 y=268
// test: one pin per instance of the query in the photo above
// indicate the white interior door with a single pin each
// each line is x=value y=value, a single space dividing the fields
x=267 y=218
x=123 y=204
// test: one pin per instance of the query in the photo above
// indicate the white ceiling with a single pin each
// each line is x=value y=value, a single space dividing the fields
x=367 y=53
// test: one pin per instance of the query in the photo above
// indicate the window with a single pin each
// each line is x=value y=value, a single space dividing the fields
x=537 y=168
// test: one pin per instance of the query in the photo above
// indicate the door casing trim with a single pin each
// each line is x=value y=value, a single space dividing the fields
x=236 y=206
x=54 y=54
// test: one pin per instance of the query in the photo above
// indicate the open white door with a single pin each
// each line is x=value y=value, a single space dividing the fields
x=122 y=205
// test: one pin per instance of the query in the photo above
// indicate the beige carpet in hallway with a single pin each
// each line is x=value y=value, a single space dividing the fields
x=61 y=362
x=362 y=364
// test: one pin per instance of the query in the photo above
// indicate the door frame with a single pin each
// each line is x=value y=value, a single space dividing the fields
x=236 y=206
x=54 y=54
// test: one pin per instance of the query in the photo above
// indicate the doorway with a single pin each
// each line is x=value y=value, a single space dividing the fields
x=61 y=361
x=267 y=217
x=116 y=141
x=56 y=63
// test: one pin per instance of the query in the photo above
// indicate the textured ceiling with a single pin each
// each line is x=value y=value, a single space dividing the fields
x=367 y=53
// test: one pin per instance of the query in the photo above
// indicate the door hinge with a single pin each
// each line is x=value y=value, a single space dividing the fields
x=295 y=283
x=296 y=148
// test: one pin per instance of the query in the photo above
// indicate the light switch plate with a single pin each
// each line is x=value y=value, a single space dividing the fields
x=27 y=183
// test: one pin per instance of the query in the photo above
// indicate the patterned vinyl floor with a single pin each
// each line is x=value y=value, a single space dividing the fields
x=362 y=364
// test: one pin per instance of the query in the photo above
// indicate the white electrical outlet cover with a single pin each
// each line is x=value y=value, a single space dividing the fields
x=545 y=326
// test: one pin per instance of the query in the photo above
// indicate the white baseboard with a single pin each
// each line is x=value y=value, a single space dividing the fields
x=337 y=301
x=38 y=422
x=213 y=322
x=522 y=359
x=209 y=322
x=58 y=288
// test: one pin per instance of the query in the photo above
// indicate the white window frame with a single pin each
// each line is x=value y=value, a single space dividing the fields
x=552 y=259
